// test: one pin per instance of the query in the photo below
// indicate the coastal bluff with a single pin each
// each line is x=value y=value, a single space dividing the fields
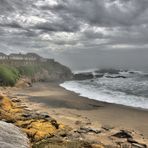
x=33 y=68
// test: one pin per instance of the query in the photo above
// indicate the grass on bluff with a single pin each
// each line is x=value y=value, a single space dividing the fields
x=8 y=75
x=29 y=70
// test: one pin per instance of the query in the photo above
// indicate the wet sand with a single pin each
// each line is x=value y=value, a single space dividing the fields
x=70 y=108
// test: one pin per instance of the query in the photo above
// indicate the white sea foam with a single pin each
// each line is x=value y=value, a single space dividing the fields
x=84 y=71
x=127 y=92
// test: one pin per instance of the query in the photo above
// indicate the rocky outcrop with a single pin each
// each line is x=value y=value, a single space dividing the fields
x=12 y=137
x=52 y=71
x=109 y=71
x=42 y=130
x=23 y=82
x=83 y=76
x=118 y=76
x=36 y=126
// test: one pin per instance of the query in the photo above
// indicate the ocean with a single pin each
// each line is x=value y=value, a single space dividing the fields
x=125 y=87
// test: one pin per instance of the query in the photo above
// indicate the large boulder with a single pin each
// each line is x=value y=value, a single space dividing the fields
x=83 y=76
x=12 y=137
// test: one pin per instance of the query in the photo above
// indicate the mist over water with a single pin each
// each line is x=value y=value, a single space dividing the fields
x=117 y=59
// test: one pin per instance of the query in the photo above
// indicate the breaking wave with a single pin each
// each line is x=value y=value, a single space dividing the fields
x=128 y=88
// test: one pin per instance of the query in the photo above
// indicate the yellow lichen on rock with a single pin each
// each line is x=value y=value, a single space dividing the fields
x=36 y=127
x=23 y=124
x=97 y=146
x=8 y=110
x=5 y=103
x=62 y=126
x=40 y=129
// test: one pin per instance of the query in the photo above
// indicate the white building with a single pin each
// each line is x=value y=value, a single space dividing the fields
x=3 y=56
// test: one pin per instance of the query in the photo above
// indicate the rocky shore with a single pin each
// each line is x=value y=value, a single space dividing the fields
x=44 y=131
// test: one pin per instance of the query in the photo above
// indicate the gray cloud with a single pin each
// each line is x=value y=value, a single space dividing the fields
x=73 y=26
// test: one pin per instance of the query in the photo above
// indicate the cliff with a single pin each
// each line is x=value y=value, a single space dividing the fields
x=48 y=71
x=53 y=71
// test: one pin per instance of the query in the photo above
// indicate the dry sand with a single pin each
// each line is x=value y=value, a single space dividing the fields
x=69 y=108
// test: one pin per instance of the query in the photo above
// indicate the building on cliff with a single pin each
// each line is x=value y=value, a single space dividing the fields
x=21 y=59
x=27 y=57
x=3 y=56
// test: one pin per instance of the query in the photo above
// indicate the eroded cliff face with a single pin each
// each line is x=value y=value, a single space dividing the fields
x=53 y=72
x=25 y=75
x=50 y=71
x=47 y=71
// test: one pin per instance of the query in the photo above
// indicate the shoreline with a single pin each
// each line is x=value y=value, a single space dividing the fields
x=69 y=108
x=107 y=103
x=116 y=104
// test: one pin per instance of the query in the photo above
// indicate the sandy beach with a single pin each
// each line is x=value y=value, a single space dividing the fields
x=70 y=108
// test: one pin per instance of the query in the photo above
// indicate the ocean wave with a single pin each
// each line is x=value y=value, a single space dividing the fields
x=132 y=91
x=105 y=95
x=109 y=73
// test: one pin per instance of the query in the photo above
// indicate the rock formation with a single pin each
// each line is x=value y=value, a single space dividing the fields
x=12 y=137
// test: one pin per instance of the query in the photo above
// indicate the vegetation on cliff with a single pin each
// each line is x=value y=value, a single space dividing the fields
x=46 y=71
x=29 y=70
x=8 y=75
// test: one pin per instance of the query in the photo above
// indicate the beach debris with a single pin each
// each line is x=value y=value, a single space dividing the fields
x=124 y=145
x=15 y=99
x=85 y=129
x=58 y=143
x=107 y=127
x=78 y=122
x=35 y=115
x=136 y=144
x=122 y=134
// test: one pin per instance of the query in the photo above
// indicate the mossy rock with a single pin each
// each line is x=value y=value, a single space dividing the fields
x=57 y=143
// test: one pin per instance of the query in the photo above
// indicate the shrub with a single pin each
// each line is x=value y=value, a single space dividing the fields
x=29 y=70
x=8 y=75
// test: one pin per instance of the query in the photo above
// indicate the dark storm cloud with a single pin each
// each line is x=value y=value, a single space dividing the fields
x=105 y=12
x=57 y=27
x=89 y=34
x=11 y=25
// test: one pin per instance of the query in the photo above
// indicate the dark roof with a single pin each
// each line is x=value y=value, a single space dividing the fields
x=2 y=54
x=33 y=55
x=16 y=55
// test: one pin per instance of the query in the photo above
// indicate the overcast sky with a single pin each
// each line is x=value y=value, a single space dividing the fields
x=80 y=33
